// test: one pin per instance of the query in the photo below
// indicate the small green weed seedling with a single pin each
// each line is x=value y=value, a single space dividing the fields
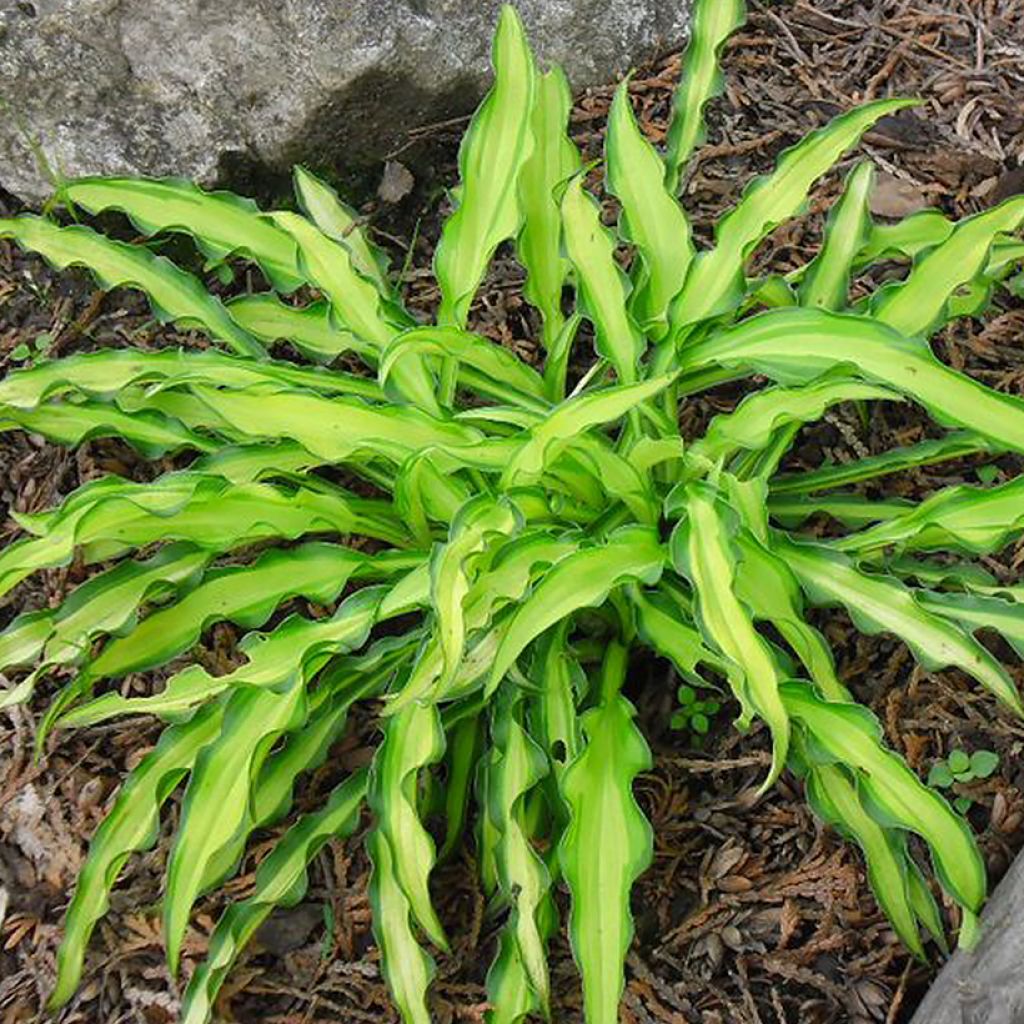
x=695 y=714
x=960 y=766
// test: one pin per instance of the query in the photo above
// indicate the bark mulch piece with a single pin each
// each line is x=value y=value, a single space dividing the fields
x=750 y=912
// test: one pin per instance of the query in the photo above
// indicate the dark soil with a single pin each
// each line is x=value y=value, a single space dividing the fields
x=751 y=912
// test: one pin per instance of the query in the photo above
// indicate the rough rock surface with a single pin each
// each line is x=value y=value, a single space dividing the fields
x=985 y=985
x=204 y=87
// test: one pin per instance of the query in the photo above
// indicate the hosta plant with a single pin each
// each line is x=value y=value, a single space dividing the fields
x=481 y=547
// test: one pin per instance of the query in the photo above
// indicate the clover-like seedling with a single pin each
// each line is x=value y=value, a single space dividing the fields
x=962 y=767
x=695 y=714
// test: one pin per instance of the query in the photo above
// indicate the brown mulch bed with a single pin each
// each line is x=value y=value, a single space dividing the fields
x=750 y=912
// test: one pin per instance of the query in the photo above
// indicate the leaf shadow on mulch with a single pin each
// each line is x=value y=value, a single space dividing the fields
x=750 y=911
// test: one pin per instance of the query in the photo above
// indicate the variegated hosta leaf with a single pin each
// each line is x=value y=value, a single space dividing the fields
x=110 y=517
x=308 y=328
x=335 y=219
x=513 y=568
x=107 y=603
x=216 y=802
x=174 y=294
x=713 y=22
x=355 y=304
x=767 y=586
x=106 y=373
x=71 y=423
x=475 y=526
x=498 y=365
x=603 y=288
x=978 y=520
x=130 y=825
x=523 y=877
x=892 y=872
x=981 y=611
x=407 y=967
x=558 y=676
x=580 y=580
x=955 y=445
x=608 y=842
x=333 y=428
x=702 y=551
x=413 y=740
x=916 y=305
x=281 y=880
x=552 y=161
x=906 y=238
x=796 y=345
x=754 y=422
x=244 y=594
x=666 y=624
x=827 y=282
x=297 y=648
x=493 y=150
x=544 y=442
x=221 y=223
x=883 y=604
x=850 y=735
x=652 y=220
x=716 y=279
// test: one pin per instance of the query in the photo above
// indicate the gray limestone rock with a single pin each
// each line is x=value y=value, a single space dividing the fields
x=201 y=87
